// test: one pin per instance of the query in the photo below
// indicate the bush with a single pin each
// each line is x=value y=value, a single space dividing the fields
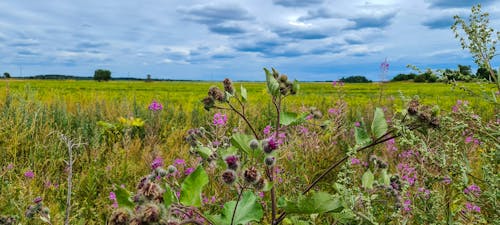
x=355 y=79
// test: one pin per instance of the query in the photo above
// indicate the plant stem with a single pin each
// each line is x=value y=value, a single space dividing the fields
x=245 y=119
x=237 y=202
x=271 y=170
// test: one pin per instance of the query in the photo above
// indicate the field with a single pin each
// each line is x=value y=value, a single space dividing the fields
x=37 y=116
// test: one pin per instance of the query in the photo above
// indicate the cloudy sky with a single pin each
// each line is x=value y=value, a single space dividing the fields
x=194 y=39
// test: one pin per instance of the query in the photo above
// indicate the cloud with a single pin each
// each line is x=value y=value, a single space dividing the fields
x=226 y=29
x=373 y=21
x=297 y=3
x=458 y=3
x=444 y=22
x=88 y=44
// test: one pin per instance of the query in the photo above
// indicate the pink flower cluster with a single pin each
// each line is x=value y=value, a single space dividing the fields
x=220 y=119
x=472 y=207
x=112 y=197
x=458 y=105
x=473 y=190
x=157 y=162
x=408 y=173
x=337 y=83
x=155 y=106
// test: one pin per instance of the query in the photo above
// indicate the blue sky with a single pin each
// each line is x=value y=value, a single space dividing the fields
x=210 y=40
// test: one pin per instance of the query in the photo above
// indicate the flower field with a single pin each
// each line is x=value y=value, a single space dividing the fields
x=123 y=152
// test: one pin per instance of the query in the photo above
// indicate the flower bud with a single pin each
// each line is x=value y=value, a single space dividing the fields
x=161 y=172
x=229 y=177
x=172 y=169
x=228 y=86
x=269 y=161
x=283 y=78
x=254 y=144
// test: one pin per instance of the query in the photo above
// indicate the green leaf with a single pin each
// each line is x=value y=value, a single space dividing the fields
x=249 y=209
x=367 y=179
x=192 y=186
x=361 y=136
x=384 y=177
x=319 y=202
x=203 y=151
x=379 y=124
x=243 y=92
x=123 y=198
x=291 y=118
x=241 y=141
x=296 y=86
x=168 y=196
x=272 y=84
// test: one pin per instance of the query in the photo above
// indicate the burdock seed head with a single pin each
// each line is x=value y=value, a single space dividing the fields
x=120 y=216
x=232 y=162
x=229 y=177
x=251 y=175
x=216 y=94
x=228 y=86
x=254 y=144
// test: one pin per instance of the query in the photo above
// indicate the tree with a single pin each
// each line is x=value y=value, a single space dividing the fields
x=465 y=70
x=355 y=79
x=479 y=38
x=6 y=75
x=102 y=75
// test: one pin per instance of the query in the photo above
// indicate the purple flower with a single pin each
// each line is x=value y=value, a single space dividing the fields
x=334 y=111
x=179 y=162
x=155 y=106
x=472 y=207
x=473 y=189
x=468 y=139
x=189 y=171
x=220 y=119
x=37 y=200
x=157 y=162
x=29 y=174
x=112 y=196
x=10 y=166
x=355 y=161
x=357 y=124
x=446 y=180
x=267 y=130
x=407 y=205
x=384 y=66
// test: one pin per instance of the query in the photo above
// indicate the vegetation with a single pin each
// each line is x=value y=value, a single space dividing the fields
x=355 y=79
x=6 y=75
x=102 y=75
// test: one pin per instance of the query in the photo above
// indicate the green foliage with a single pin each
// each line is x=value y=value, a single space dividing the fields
x=291 y=118
x=318 y=202
x=367 y=179
x=479 y=38
x=379 y=124
x=192 y=187
x=355 y=79
x=102 y=75
x=248 y=210
x=273 y=86
x=6 y=75
x=123 y=198
x=404 y=77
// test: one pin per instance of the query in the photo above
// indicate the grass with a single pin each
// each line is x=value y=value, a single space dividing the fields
x=33 y=112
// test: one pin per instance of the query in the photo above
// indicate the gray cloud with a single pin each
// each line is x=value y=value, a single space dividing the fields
x=297 y=3
x=458 y=3
x=444 y=22
x=373 y=21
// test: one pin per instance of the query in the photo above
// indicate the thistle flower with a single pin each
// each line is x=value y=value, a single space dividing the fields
x=155 y=106
x=37 y=200
x=220 y=119
x=232 y=162
x=269 y=161
x=157 y=162
x=29 y=174
x=188 y=171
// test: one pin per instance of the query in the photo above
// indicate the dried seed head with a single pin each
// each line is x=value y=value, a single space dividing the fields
x=229 y=177
x=152 y=191
x=150 y=213
x=283 y=78
x=260 y=184
x=251 y=175
x=232 y=162
x=228 y=86
x=413 y=107
x=254 y=144
x=208 y=102
x=216 y=94
x=120 y=217
x=434 y=122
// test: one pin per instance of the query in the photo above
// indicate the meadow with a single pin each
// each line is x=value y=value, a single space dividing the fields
x=117 y=138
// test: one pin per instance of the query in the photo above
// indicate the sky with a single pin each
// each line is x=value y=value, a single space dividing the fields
x=210 y=40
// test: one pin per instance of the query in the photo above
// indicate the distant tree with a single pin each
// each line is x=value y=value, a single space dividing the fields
x=102 y=75
x=148 y=78
x=483 y=73
x=6 y=75
x=403 y=77
x=355 y=79
x=464 y=70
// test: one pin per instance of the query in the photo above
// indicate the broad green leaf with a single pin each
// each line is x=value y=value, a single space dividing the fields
x=243 y=91
x=241 y=141
x=272 y=84
x=291 y=118
x=367 y=179
x=384 y=177
x=123 y=198
x=379 y=124
x=192 y=186
x=361 y=136
x=249 y=209
x=319 y=202
x=168 y=196
x=203 y=151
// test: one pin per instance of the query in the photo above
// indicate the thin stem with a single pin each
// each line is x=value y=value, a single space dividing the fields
x=245 y=119
x=190 y=221
x=237 y=202
x=271 y=170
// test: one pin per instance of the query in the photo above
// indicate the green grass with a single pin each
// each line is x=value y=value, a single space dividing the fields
x=33 y=112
